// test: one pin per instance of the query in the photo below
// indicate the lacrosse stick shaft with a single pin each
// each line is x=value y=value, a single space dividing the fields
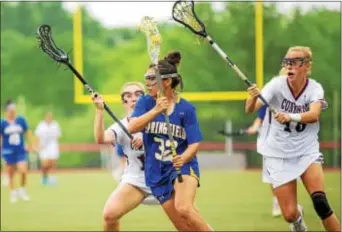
x=168 y=127
x=48 y=46
x=90 y=90
x=235 y=133
x=236 y=69
x=149 y=27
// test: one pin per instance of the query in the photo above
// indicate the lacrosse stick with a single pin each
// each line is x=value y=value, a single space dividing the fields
x=48 y=46
x=234 y=133
x=149 y=27
x=184 y=13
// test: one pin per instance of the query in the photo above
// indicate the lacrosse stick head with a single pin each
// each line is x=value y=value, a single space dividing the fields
x=184 y=13
x=153 y=37
x=48 y=46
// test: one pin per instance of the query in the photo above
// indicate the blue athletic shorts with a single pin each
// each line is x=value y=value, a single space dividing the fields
x=12 y=158
x=164 y=191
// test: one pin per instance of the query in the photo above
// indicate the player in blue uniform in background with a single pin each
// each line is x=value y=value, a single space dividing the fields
x=13 y=151
x=175 y=198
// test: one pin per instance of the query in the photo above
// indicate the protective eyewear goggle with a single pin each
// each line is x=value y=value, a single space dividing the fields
x=298 y=61
x=152 y=77
x=137 y=93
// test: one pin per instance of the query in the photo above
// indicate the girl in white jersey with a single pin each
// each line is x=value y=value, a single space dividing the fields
x=288 y=140
x=48 y=133
x=132 y=189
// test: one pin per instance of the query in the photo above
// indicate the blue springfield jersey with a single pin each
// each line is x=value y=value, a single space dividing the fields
x=262 y=112
x=119 y=150
x=13 y=135
x=185 y=130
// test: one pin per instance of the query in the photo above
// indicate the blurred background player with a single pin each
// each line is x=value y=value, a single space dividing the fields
x=48 y=132
x=132 y=190
x=252 y=130
x=117 y=170
x=12 y=131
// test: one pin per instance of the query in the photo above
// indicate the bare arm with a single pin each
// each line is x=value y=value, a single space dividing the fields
x=313 y=114
x=255 y=126
x=253 y=104
x=102 y=136
x=315 y=109
x=179 y=160
x=138 y=124
x=191 y=151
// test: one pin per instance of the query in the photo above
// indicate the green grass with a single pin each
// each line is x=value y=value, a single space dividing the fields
x=227 y=201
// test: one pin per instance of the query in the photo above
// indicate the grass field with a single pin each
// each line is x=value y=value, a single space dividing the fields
x=227 y=201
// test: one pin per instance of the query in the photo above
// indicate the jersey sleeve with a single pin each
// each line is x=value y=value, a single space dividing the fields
x=318 y=96
x=262 y=112
x=191 y=127
x=119 y=150
x=268 y=91
x=140 y=107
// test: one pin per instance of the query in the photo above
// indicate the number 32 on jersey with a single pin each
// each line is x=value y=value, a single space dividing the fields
x=164 y=153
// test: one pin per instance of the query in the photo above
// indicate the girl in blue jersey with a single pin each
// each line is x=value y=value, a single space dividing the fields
x=12 y=131
x=176 y=198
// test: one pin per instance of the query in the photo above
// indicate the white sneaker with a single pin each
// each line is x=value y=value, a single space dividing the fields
x=276 y=211
x=23 y=194
x=13 y=196
x=299 y=225
x=52 y=180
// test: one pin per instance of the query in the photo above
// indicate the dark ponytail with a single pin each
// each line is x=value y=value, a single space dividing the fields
x=173 y=58
x=169 y=66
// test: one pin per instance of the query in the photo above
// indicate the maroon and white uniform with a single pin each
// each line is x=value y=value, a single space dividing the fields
x=288 y=149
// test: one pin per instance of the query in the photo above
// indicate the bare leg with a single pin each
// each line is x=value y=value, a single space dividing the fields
x=287 y=198
x=52 y=171
x=185 y=193
x=45 y=170
x=22 y=169
x=313 y=180
x=276 y=211
x=124 y=199
x=10 y=169
x=179 y=222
